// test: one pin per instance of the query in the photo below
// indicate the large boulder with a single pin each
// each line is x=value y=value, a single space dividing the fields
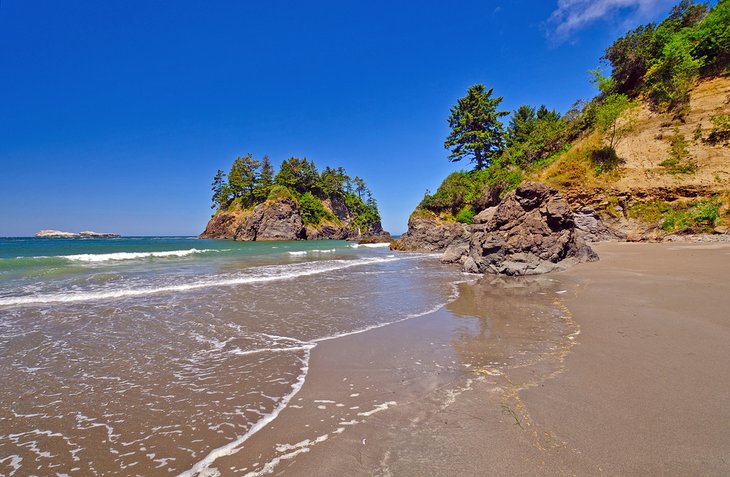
x=430 y=235
x=274 y=220
x=532 y=231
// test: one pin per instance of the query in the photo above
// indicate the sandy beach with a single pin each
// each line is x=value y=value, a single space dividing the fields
x=618 y=367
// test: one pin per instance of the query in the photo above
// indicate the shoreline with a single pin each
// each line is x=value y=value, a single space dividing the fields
x=471 y=388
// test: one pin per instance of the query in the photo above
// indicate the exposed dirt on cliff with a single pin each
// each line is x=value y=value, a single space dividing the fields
x=648 y=145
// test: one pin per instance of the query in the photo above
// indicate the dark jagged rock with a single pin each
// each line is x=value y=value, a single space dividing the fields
x=430 y=235
x=275 y=220
x=532 y=231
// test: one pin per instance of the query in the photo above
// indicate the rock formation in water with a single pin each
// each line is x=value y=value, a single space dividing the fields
x=86 y=234
x=298 y=203
x=281 y=219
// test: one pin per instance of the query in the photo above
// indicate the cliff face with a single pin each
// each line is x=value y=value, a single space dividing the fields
x=275 y=220
x=672 y=178
x=281 y=219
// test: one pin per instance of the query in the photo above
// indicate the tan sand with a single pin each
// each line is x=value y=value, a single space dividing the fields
x=620 y=367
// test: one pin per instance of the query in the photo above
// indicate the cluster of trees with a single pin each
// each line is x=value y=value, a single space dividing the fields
x=478 y=134
x=250 y=182
x=659 y=61
x=664 y=60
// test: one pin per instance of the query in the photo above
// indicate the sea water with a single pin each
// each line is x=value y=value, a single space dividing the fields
x=148 y=355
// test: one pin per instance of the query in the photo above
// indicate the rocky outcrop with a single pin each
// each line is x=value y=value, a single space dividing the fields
x=90 y=234
x=55 y=234
x=430 y=235
x=85 y=234
x=592 y=228
x=281 y=219
x=274 y=220
x=532 y=231
x=222 y=225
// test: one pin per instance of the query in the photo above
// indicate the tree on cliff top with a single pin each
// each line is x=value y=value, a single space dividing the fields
x=476 y=131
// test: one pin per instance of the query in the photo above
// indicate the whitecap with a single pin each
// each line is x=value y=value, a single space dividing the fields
x=108 y=257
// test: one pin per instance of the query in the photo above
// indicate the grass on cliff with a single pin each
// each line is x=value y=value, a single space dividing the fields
x=693 y=216
x=588 y=163
x=679 y=161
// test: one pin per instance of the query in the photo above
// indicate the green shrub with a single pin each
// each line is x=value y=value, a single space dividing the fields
x=679 y=161
x=366 y=214
x=605 y=159
x=672 y=74
x=720 y=133
x=649 y=212
x=280 y=192
x=700 y=216
x=466 y=215
x=312 y=210
x=458 y=189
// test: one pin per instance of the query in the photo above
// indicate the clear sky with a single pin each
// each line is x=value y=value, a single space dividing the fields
x=115 y=115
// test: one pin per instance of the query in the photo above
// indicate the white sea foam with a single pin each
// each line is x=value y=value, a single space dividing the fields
x=257 y=275
x=111 y=257
x=303 y=252
x=377 y=408
x=371 y=245
x=203 y=466
x=232 y=447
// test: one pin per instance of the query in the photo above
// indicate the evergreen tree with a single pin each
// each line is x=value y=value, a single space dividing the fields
x=521 y=124
x=298 y=175
x=220 y=192
x=265 y=180
x=242 y=178
x=360 y=187
x=476 y=131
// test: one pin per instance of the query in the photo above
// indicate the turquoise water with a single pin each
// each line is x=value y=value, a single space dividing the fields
x=148 y=355
x=37 y=270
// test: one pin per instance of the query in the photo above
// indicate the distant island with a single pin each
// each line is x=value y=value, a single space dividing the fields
x=297 y=203
x=86 y=234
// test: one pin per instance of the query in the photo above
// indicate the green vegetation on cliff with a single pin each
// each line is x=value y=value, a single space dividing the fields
x=251 y=182
x=655 y=65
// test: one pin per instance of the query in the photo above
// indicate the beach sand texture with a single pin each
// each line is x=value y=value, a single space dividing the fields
x=619 y=367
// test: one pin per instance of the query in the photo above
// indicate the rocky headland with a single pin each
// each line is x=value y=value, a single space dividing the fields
x=298 y=203
x=281 y=219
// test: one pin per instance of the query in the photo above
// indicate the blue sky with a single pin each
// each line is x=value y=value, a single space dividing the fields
x=115 y=115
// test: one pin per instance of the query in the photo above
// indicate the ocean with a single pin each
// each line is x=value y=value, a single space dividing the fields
x=156 y=355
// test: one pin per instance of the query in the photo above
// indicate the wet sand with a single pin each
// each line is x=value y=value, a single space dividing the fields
x=614 y=367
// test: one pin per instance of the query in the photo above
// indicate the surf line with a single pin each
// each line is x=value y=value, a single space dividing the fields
x=234 y=446
x=286 y=272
